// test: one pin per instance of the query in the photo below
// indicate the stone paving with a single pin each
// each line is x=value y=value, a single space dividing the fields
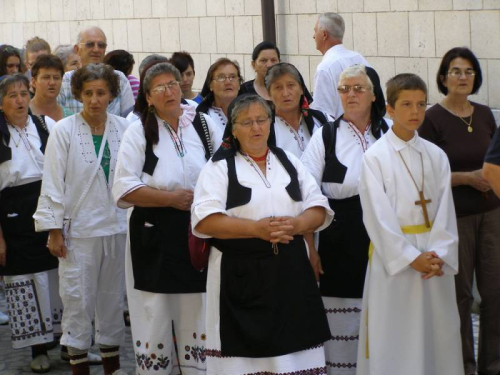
x=17 y=362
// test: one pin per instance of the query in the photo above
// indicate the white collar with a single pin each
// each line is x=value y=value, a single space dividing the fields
x=399 y=144
x=336 y=48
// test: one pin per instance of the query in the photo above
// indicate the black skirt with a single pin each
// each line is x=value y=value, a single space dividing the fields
x=270 y=304
x=343 y=249
x=159 y=252
x=26 y=249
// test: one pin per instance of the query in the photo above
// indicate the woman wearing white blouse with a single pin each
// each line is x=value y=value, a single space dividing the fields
x=160 y=159
x=87 y=231
x=334 y=158
x=25 y=262
x=264 y=310
x=294 y=122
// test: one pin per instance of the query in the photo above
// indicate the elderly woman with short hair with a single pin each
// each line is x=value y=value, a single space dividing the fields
x=161 y=156
x=69 y=58
x=264 y=309
x=26 y=265
x=87 y=231
x=334 y=157
x=294 y=122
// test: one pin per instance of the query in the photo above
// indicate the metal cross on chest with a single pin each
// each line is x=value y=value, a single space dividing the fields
x=423 y=202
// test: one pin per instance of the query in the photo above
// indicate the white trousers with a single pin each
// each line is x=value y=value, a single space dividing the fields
x=91 y=287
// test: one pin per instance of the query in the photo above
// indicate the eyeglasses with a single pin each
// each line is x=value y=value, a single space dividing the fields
x=248 y=123
x=10 y=66
x=344 y=89
x=222 y=78
x=160 y=89
x=90 y=45
x=457 y=73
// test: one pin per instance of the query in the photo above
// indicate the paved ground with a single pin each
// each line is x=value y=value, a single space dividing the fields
x=16 y=362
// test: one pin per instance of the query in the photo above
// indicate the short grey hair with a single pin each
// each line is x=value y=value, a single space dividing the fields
x=10 y=80
x=79 y=37
x=149 y=59
x=333 y=24
x=63 y=51
x=244 y=102
x=356 y=71
x=279 y=70
x=157 y=70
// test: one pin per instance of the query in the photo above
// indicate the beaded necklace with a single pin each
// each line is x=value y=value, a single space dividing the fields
x=23 y=135
x=297 y=135
x=177 y=141
x=257 y=169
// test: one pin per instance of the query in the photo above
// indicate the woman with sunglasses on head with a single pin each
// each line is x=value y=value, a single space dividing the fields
x=160 y=158
x=222 y=86
x=294 y=122
x=464 y=129
x=10 y=60
x=334 y=157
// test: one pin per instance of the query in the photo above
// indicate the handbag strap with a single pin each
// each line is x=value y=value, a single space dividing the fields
x=94 y=173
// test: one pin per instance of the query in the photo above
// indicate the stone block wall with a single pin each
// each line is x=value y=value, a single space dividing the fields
x=395 y=35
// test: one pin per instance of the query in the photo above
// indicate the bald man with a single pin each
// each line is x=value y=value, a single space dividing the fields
x=91 y=47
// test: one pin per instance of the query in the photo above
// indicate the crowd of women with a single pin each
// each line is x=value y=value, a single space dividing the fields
x=245 y=169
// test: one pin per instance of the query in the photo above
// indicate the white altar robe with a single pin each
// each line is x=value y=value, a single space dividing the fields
x=209 y=198
x=410 y=326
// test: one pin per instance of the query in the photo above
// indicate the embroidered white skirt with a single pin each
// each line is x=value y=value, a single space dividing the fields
x=310 y=362
x=341 y=350
x=29 y=307
x=168 y=330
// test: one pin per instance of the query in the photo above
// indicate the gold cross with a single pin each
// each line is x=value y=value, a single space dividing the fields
x=422 y=202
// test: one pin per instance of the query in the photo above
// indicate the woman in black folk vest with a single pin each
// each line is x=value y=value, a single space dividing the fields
x=294 y=122
x=264 y=310
x=333 y=157
x=160 y=158
x=26 y=264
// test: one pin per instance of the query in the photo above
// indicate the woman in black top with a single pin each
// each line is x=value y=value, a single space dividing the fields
x=463 y=129
x=264 y=55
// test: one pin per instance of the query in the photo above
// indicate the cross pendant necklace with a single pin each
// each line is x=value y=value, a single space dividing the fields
x=422 y=202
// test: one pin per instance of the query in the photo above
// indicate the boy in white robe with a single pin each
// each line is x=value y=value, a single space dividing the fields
x=410 y=324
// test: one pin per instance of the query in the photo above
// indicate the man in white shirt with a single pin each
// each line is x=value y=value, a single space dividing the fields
x=91 y=47
x=328 y=34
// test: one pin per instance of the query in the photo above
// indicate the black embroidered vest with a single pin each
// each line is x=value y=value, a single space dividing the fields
x=239 y=195
x=5 y=151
